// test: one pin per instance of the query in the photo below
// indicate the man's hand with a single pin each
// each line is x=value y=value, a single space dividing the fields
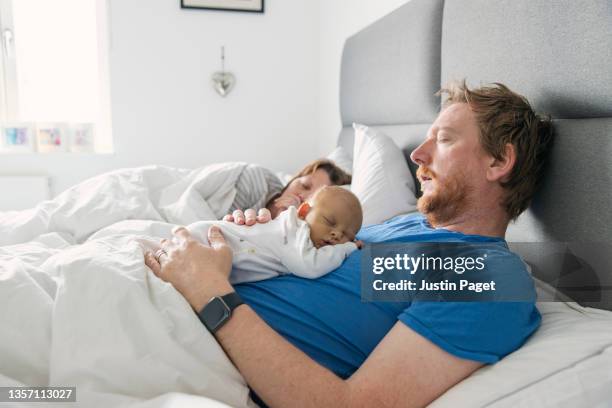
x=248 y=217
x=198 y=272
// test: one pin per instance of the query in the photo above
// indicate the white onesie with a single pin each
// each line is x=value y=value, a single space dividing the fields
x=281 y=246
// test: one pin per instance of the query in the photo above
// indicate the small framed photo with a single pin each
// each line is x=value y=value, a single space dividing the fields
x=255 y=6
x=52 y=137
x=17 y=137
x=81 y=137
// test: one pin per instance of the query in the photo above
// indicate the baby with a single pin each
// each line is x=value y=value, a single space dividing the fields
x=309 y=241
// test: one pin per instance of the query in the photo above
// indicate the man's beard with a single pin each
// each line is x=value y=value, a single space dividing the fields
x=446 y=201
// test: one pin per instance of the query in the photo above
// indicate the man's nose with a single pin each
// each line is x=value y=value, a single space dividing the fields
x=420 y=155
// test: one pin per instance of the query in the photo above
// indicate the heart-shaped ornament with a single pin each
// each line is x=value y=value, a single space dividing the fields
x=223 y=82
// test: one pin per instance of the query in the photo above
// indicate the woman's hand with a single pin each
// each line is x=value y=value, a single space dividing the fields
x=287 y=200
x=249 y=217
x=198 y=272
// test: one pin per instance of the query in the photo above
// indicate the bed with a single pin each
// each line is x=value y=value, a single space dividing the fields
x=70 y=266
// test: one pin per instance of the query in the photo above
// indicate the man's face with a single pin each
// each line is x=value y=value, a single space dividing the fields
x=452 y=165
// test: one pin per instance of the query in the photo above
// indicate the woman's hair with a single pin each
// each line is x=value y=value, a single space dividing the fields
x=337 y=176
x=505 y=117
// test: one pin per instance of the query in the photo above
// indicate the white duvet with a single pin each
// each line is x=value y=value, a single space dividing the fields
x=78 y=307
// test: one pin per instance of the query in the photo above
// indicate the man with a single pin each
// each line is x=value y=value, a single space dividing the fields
x=303 y=343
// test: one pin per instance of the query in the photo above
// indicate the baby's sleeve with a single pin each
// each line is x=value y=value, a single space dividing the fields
x=310 y=262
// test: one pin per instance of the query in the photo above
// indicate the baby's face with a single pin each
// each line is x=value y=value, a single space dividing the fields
x=332 y=221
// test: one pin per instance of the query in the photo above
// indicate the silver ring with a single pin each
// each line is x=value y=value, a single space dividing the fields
x=159 y=253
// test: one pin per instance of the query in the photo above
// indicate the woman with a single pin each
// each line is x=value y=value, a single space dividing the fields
x=259 y=189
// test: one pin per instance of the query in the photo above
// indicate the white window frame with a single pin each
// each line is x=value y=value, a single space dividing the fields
x=9 y=95
x=9 y=92
x=104 y=140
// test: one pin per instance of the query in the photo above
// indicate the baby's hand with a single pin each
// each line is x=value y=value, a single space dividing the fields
x=359 y=243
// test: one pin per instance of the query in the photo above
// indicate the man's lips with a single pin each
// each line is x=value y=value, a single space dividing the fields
x=425 y=180
x=424 y=175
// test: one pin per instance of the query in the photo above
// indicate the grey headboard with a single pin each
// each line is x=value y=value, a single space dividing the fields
x=556 y=53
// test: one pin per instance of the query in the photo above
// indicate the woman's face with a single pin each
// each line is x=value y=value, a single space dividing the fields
x=305 y=186
x=300 y=189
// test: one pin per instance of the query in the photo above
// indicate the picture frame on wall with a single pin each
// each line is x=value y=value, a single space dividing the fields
x=253 y=6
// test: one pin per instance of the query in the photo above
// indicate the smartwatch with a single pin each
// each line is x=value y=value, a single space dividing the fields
x=219 y=310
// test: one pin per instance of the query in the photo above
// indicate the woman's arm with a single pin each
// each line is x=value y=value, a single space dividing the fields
x=404 y=370
x=249 y=217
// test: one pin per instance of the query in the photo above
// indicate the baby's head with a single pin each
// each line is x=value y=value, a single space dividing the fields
x=334 y=215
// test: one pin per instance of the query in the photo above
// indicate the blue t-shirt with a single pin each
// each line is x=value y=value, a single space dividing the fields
x=326 y=319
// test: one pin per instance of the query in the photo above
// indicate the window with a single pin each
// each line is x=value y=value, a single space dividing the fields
x=54 y=72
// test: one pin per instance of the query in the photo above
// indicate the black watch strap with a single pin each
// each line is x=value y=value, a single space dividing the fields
x=233 y=300
x=219 y=310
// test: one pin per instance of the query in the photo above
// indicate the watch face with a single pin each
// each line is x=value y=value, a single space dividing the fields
x=215 y=314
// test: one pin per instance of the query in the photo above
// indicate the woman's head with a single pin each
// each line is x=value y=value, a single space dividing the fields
x=308 y=181
x=315 y=175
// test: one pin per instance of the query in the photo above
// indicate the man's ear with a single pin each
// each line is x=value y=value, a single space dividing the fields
x=499 y=170
x=303 y=210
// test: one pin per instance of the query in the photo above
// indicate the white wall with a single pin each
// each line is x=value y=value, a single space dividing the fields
x=164 y=110
x=282 y=113
x=339 y=20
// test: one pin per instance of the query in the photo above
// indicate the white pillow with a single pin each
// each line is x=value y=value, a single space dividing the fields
x=381 y=178
x=342 y=159
x=565 y=363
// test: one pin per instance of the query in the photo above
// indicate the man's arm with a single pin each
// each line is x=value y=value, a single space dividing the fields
x=404 y=369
